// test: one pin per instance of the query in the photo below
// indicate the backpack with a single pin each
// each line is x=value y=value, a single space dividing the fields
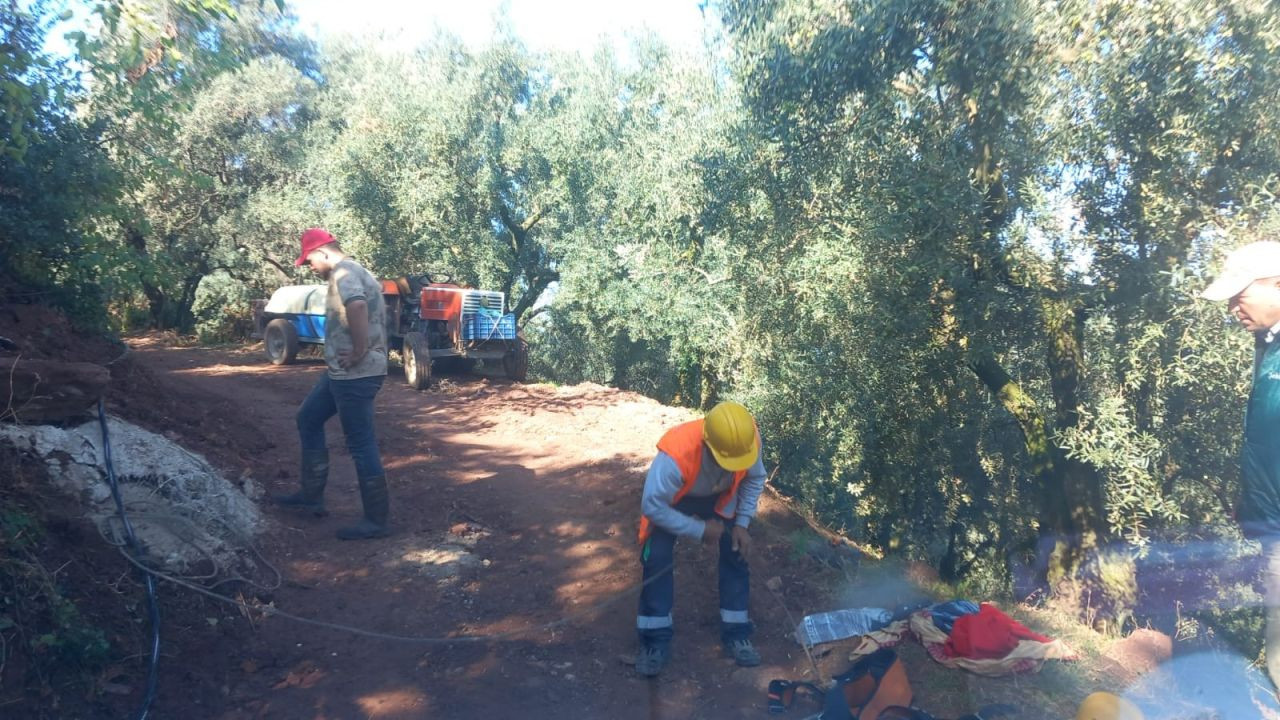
x=874 y=684
x=874 y=688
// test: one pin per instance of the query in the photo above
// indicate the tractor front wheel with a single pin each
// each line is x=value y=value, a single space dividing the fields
x=417 y=361
x=280 y=340
x=516 y=362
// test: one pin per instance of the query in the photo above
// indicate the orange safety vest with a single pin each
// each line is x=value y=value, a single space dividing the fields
x=684 y=444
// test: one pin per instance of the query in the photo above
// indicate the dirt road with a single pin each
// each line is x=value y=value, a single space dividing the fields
x=514 y=507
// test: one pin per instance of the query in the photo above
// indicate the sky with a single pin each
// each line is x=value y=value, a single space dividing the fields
x=569 y=25
x=566 y=25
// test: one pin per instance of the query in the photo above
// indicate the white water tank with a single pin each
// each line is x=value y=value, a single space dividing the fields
x=297 y=300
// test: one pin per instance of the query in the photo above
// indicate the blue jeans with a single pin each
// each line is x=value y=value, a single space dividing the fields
x=352 y=402
x=653 y=621
x=1271 y=601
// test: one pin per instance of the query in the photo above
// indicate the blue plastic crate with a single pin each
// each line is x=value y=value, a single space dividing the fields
x=482 y=326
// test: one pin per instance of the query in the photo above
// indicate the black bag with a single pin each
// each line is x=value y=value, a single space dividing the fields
x=865 y=691
x=875 y=688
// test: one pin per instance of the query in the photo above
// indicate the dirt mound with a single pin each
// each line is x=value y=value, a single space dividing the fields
x=1141 y=652
x=73 y=634
x=36 y=331
x=135 y=393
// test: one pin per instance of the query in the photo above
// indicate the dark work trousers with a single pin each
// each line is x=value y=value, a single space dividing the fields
x=352 y=402
x=654 y=621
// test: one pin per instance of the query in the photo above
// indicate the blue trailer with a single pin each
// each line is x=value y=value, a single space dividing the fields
x=292 y=317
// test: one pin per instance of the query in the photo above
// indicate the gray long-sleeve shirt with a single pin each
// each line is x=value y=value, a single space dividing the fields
x=664 y=480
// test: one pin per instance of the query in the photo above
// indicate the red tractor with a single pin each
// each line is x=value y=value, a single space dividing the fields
x=426 y=320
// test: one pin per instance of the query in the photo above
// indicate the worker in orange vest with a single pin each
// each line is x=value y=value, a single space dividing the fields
x=703 y=484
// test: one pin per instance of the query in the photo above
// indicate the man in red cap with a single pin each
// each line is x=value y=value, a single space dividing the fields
x=355 y=349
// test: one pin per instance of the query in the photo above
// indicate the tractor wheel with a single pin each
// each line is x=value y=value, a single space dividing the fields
x=516 y=362
x=417 y=361
x=280 y=340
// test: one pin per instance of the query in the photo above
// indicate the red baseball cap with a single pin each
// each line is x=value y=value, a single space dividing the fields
x=312 y=238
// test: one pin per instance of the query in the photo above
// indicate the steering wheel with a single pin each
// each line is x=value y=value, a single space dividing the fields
x=438 y=277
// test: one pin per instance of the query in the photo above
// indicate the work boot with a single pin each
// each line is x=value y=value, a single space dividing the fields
x=313 y=477
x=373 y=494
x=742 y=652
x=651 y=659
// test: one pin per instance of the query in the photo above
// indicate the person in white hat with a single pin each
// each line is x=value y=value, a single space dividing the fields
x=1250 y=285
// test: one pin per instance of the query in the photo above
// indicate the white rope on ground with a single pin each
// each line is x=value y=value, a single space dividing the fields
x=166 y=519
x=424 y=640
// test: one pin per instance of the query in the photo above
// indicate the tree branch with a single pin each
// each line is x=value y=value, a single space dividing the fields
x=284 y=274
x=529 y=222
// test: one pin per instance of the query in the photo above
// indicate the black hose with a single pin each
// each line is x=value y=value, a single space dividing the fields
x=153 y=607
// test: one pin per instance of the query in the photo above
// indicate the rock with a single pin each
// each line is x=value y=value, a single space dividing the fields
x=774 y=583
x=37 y=392
x=188 y=513
x=250 y=487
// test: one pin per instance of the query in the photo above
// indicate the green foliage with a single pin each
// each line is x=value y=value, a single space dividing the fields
x=222 y=310
x=1236 y=621
x=48 y=626
x=56 y=184
x=949 y=252
x=1015 y=202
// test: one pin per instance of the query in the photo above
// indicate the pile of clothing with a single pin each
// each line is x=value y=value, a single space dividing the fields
x=978 y=638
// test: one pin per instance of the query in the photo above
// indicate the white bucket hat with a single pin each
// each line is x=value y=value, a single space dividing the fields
x=1244 y=265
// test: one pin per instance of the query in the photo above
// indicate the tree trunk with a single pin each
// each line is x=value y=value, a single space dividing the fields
x=184 y=320
x=623 y=351
x=537 y=284
x=1073 y=558
x=710 y=389
x=1083 y=516
x=157 y=301
x=157 y=305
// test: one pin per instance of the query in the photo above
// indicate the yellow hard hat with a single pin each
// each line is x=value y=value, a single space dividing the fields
x=730 y=433
x=1105 y=706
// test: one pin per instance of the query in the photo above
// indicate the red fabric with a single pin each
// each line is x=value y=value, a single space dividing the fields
x=987 y=634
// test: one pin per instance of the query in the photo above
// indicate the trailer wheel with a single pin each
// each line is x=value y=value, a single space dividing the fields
x=280 y=340
x=417 y=361
x=516 y=362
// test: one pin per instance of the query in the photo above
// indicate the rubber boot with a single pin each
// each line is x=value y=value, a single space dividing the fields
x=313 y=477
x=373 y=493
